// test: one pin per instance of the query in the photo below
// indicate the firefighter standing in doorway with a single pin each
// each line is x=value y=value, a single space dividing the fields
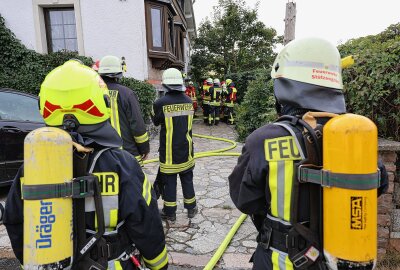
x=73 y=97
x=264 y=185
x=126 y=116
x=174 y=112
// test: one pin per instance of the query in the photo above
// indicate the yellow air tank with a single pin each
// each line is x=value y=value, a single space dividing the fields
x=350 y=149
x=47 y=222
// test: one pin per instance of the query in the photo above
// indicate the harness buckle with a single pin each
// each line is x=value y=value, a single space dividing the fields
x=302 y=174
x=265 y=238
x=83 y=186
x=300 y=261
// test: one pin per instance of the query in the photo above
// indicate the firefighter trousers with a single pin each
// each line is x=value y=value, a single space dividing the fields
x=206 y=112
x=229 y=115
x=213 y=118
x=189 y=198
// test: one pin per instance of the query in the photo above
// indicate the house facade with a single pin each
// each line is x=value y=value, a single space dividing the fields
x=152 y=35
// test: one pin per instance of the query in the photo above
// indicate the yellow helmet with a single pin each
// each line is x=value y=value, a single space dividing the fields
x=228 y=82
x=74 y=89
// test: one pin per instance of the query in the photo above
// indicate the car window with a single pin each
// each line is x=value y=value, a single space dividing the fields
x=18 y=107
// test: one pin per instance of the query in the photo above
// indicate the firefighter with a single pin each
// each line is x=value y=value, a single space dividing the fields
x=230 y=100
x=174 y=113
x=286 y=212
x=191 y=92
x=215 y=103
x=73 y=97
x=126 y=116
x=206 y=99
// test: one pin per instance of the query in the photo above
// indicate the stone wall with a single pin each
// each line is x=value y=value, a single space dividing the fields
x=389 y=203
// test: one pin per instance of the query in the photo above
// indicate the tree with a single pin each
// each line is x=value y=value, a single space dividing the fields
x=234 y=41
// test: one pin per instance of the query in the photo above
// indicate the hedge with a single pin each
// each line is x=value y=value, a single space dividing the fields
x=24 y=69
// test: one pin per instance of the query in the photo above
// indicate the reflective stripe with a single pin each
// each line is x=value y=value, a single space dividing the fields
x=176 y=168
x=146 y=193
x=289 y=173
x=169 y=204
x=142 y=139
x=178 y=113
x=280 y=260
x=114 y=265
x=281 y=189
x=273 y=186
x=113 y=218
x=275 y=261
x=169 y=126
x=188 y=137
x=158 y=262
x=114 y=110
x=189 y=201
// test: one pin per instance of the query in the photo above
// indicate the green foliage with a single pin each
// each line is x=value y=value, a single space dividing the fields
x=372 y=85
x=145 y=92
x=234 y=41
x=243 y=79
x=24 y=70
x=257 y=108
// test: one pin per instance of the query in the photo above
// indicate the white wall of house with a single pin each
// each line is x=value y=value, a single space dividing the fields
x=117 y=28
x=18 y=16
x=104 y=27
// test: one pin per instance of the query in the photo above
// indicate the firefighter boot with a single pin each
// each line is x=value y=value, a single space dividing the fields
x=192 y=212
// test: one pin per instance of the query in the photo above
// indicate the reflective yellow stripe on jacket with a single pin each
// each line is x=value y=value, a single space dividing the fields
x=280 y=261
x=158 y=262
x=142 y=138
x=114 y=117
x=281 y=154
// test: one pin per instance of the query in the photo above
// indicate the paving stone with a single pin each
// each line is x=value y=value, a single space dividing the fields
x=250 y=244
x=189 y=260
x=237 y=261
x=210 y=202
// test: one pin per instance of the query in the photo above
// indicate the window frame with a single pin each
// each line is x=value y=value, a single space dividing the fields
x=40 y=29
x=46 y=13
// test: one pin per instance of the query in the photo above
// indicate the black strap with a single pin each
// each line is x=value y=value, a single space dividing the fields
x=341 y=180
x=79 y=187
x=85 y=245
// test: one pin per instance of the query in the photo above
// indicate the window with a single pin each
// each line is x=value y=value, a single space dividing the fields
x=165 y=28
x=61 y=29
x=156 y=27
x=17 y=107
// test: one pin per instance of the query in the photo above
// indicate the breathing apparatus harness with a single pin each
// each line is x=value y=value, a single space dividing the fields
x=302 y=241
x=91 y=250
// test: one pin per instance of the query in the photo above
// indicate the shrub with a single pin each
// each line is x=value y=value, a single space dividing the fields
x=372 y=85
x=145 y=92
x=257 y=108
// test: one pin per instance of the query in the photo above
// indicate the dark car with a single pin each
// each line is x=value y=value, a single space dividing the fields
x=19 y=114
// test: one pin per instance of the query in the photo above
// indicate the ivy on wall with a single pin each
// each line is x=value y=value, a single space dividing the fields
x=24 y=70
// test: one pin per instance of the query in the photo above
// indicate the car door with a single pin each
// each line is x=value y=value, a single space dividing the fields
x=19 y=114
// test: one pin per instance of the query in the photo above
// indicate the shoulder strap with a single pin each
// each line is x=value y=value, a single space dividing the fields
x=97 y=155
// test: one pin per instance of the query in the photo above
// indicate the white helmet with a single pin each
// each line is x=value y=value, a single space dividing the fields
x=216 y=81
x=110 y=66
x=172 y=79
x=307 y=75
